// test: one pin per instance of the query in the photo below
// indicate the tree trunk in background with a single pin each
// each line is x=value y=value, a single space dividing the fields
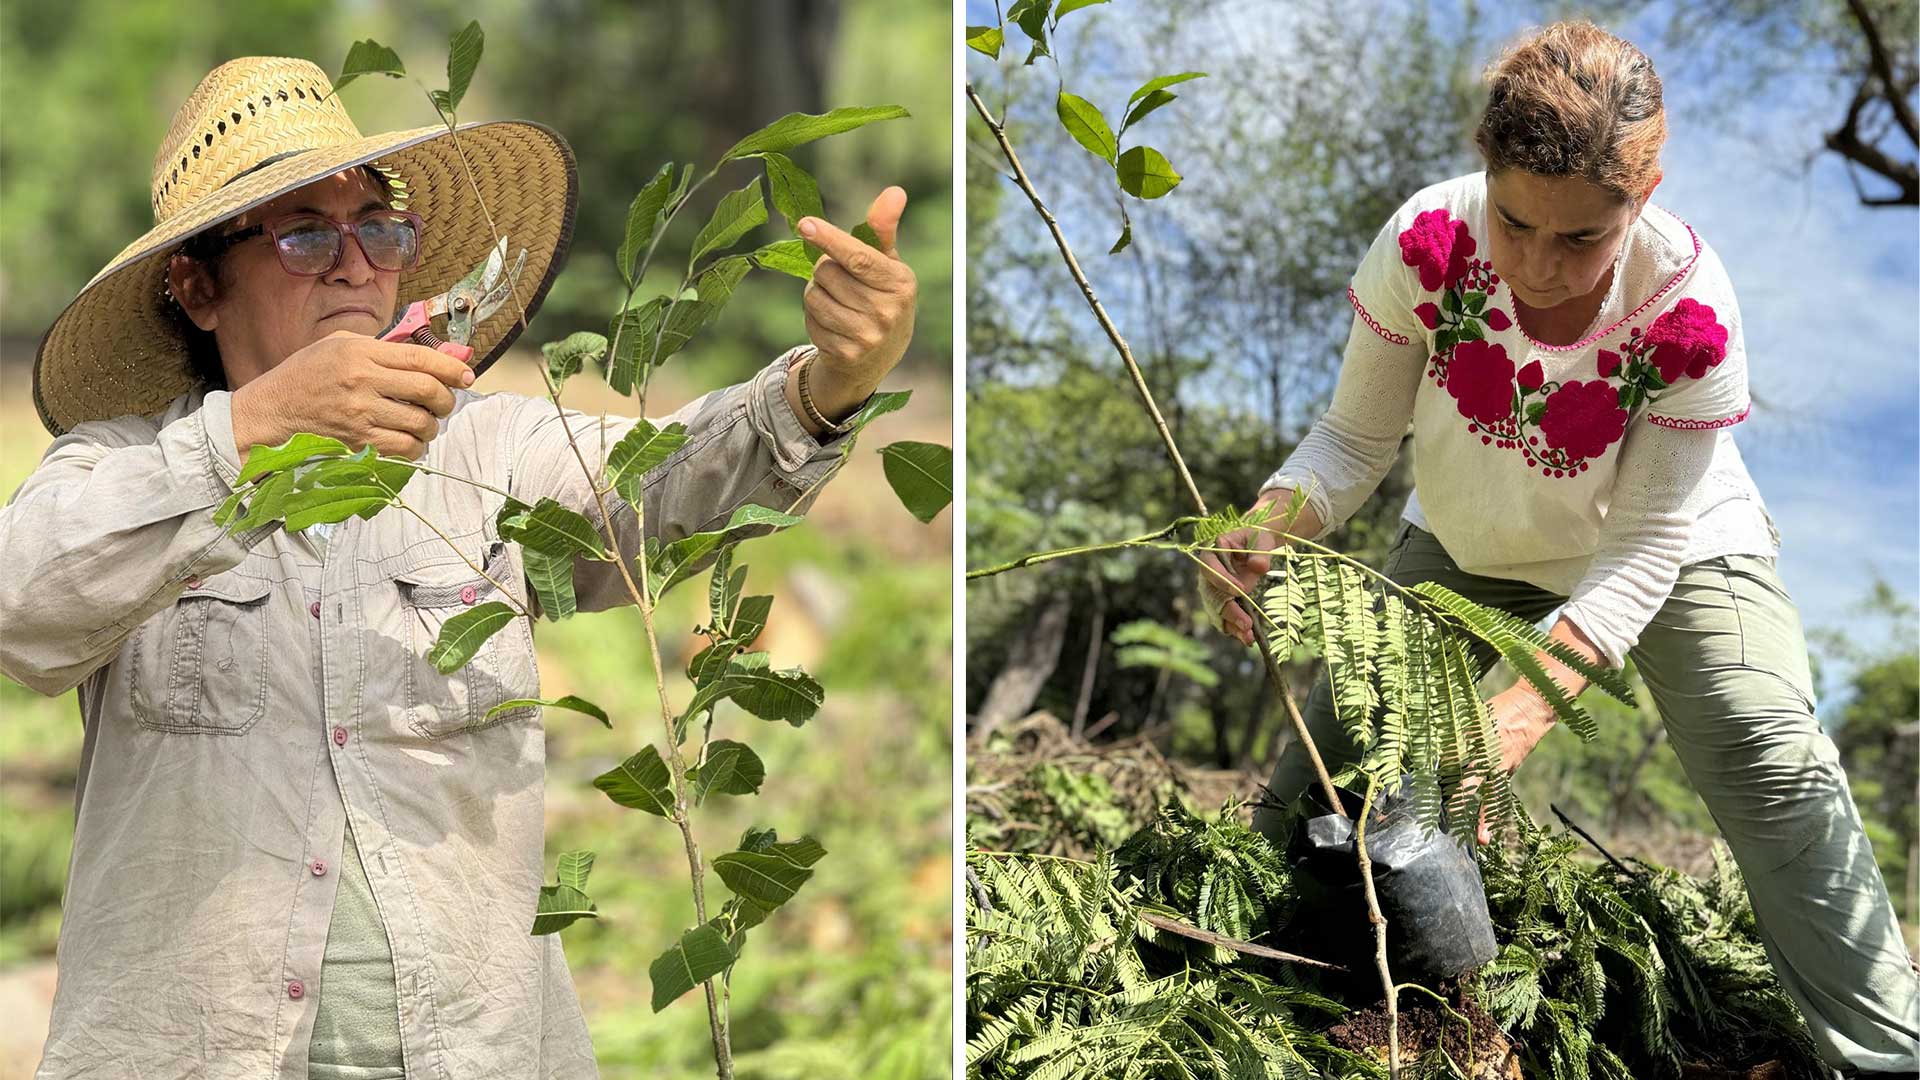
x=790 y=42
x=1095 y=639
x=1029 y=664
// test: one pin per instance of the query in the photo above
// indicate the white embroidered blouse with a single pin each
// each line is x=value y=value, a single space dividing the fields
x=1593 y=470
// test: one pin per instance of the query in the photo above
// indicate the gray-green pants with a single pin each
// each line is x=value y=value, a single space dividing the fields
x=1727 y=665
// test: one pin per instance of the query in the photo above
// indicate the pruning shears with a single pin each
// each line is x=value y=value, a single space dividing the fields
x=466 y=304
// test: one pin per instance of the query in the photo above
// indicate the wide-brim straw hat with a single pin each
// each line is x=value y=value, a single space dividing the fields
x=254 y=129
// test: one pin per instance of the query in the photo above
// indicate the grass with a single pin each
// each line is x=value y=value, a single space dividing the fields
x=854 y=977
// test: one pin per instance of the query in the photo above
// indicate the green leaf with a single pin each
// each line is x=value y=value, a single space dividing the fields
x=632 y=332
x=795 y=129
x=985 y=39
x=1126 y=235
x=1471 y=331
x=1146 y=105
x=921 y=474
x=1083 y=121
x=679 y=560
x=566 y=356
x=739 y=213
x=570 y=702
x=1450 y=302
x=329 y=504
x=1474 y=301
x=795 y=193
x=699 y=955
x=768 y=873
x=364 y=467
x=1071 y=5
x=879 y=405
x=723 y=587
x=1031 y=17
x=1535 y=411
x=864 y=233
x=641 y=450
x=1446 y=339
x=551 y=577
x=789 y=695
x=574 y=868
x=1162 y=82
x=299 y=448
x=368 y=57
x=266 y=501
x=463 y=55
x=643 y=219
x=715 y=287
x=1653 y=379
x=731 y=768
x=786 y=256
x=462 y=635
x=550 y=527
x=642 y=782
x=559 y=907
x=1146 y=173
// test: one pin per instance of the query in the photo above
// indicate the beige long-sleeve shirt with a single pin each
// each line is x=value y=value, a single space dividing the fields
x=242 y=700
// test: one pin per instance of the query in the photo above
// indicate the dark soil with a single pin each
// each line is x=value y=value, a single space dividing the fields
x=1422 y=1024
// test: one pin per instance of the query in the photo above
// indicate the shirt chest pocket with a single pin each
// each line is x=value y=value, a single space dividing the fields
x=501 y=670
x=200 y=667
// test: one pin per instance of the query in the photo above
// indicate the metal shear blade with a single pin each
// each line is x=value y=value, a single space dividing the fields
x=475 y=297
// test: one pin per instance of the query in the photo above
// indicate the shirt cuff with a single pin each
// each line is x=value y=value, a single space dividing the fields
x=1316 y=498
x=1613 y=640
x=216 y=421
x=798 y=456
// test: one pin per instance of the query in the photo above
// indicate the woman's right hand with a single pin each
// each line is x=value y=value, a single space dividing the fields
x=358 y=389
x=1224 y=578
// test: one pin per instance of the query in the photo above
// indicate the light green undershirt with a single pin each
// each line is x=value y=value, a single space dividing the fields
x=356 y=1032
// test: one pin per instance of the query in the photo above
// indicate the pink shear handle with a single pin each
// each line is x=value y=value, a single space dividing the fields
x=414 y=329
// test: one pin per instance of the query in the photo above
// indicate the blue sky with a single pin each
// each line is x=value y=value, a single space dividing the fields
x=1829 y=292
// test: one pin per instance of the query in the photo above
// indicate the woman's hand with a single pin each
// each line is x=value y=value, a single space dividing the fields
x=859 y=309
x=1224 y=578
x=361 y=390
x=1521 y=718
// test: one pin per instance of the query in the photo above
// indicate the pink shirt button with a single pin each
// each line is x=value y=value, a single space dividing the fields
x=313 y=609
x=468 y=594
x=194 y=582
x=339 y=736
x=319 y=868
x=295 y=990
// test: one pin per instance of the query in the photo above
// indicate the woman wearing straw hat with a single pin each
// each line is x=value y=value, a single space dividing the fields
x=299 y=850
x=1570 y=360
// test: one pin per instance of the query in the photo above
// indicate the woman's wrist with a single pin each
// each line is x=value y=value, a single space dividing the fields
x=834 y=398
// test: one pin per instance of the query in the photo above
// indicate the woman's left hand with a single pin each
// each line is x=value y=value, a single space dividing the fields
x=859 y=307
x=1521 y=717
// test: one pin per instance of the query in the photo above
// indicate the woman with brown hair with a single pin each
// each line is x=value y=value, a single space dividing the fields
x=1570 y=359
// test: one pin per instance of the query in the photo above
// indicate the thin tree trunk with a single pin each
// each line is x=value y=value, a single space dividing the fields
x=1029 y=666
x=1096 y=638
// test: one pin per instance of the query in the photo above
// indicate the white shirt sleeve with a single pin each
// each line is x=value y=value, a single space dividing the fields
x=1643 y=536
x=1343 y=458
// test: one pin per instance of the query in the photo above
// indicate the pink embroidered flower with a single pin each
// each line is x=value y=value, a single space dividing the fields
x=1439 y=246
x=1497 y=319
x=1429 y=314
x=1686 y=340
x=1609 y=363
x=1531 y=377
x=1584 y=418
x=1480 y=378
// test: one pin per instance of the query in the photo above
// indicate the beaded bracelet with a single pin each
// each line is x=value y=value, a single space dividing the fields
x=805 y=364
